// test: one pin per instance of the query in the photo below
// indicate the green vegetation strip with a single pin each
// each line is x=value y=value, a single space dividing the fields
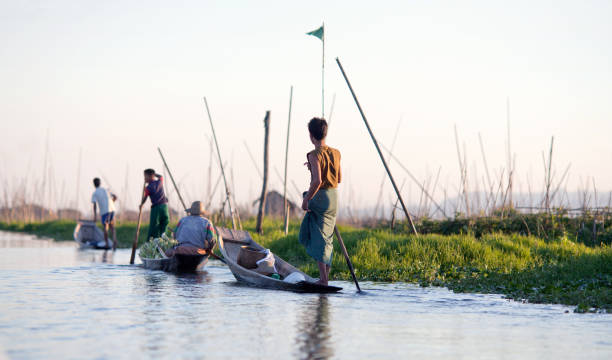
x=523 y=268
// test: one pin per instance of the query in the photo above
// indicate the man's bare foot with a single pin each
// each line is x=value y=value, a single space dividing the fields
x=321 y=282
x=114 y=245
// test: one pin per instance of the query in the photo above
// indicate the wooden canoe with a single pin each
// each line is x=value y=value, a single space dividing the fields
x=176 y=263
x=89 y=236
x=230 y=242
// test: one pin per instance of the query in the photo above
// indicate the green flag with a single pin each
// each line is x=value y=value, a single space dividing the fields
x=318 y=33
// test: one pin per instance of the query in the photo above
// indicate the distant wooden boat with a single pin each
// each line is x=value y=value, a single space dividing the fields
x=230 y=243
x=176 y=263
x=89 y=236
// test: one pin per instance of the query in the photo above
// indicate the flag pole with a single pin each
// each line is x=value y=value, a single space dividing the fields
x=323 y=74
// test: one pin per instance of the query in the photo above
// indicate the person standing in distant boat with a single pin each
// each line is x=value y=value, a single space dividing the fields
x=103 y=199
x=321 y=200
x=159 y=203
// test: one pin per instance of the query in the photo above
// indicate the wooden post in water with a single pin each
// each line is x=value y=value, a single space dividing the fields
x=382 y=158
x=285 y=207
x=262 y=198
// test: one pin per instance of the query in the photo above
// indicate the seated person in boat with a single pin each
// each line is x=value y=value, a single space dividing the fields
x=105 y=201
x=193 y=233
x=321 y=200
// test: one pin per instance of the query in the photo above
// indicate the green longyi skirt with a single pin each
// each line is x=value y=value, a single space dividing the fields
x=317 y=229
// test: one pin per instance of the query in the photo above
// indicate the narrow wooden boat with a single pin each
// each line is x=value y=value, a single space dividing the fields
x=230 y=243
x=89 y=236
x=176 y=263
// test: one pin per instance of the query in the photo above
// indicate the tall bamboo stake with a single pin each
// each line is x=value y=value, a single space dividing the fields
x=548 y=170
x=393 y=157
x=383 y=177
x=172 y=178
x=285 y=208
x=253 y=161
x=125 y=191
x=331 y=111
x=78 y=186
x=262 y=198
x=210 y=160
x=462 y=167
x=227 y=190
x=510 y=158
x=414 y=230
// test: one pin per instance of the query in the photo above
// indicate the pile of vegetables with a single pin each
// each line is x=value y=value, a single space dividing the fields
x=149 y=249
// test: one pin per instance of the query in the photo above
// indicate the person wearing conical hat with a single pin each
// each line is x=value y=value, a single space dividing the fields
x=194 y=232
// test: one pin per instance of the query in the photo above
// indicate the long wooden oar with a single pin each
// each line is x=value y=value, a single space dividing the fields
x=135 y=243
x=348 y=260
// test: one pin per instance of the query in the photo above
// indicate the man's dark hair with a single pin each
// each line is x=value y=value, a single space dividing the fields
x=149 y=172
x=318 y=128
x=96 y=182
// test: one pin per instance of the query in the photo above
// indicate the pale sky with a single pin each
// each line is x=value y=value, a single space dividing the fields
x=117 y=79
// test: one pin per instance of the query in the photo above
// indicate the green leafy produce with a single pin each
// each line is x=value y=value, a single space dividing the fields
x=149 y=249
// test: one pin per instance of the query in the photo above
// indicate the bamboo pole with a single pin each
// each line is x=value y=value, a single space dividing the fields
x=331 y=111
x=227 y=191
x=414 y=230
x=346 y=257
x=285 y=207
x=393 y=157
x=548 y=170
x=125 y=192
x=253 y=161
x=463 y=169
x=510 y=159
x=78 y=186
x=262 y=198
x=172 y=178
x=135 y=243
x=383 y=177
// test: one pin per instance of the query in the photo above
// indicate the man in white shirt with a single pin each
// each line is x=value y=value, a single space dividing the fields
x=106 y=202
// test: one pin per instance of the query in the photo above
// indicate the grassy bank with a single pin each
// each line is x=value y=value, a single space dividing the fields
x=554 y=270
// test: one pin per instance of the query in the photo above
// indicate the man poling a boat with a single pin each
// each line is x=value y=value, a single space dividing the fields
x=321 y=200
x=106 y=202
x=194 y=232
x=159 y=203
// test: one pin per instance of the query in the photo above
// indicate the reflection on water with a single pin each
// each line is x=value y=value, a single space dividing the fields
x=313 y=333
x=95 y=256
x=60 y=302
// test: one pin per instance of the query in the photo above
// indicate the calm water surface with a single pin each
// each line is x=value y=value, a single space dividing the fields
x=57 y=301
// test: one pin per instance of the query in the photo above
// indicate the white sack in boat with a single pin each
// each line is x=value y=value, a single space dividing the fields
x=266 y=266
x=294 y=278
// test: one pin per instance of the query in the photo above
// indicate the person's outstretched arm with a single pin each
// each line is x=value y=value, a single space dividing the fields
x=315 y=179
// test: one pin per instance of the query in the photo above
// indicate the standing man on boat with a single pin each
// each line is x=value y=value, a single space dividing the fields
x=154 y=190
x=194 y=232
x=103 y=199
x=321 y=200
